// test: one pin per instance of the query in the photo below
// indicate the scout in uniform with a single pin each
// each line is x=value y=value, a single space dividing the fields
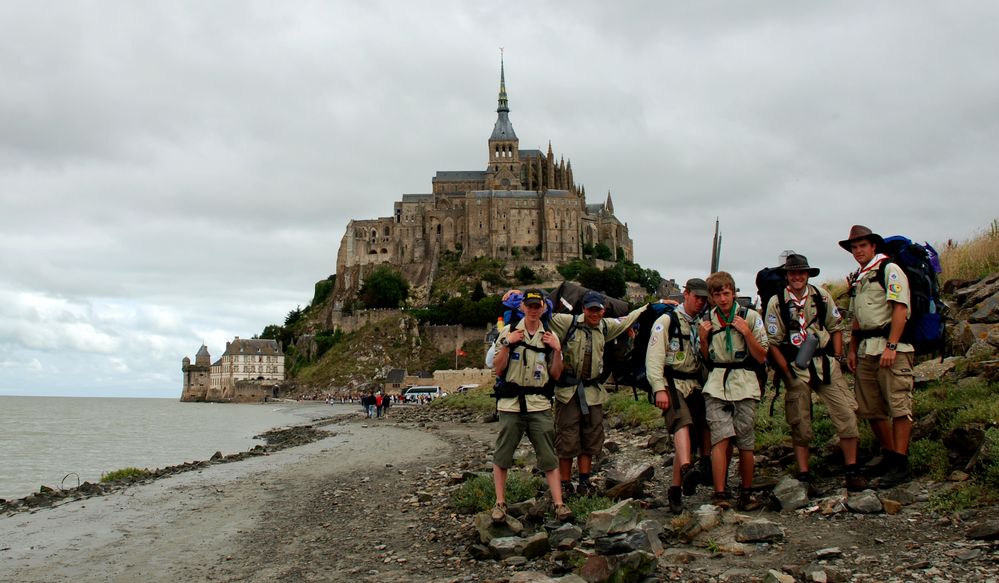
x=732 y=346
x=527 y=358
x=803 y=319
x=580 y=395
x=673 y=368
x=881 y=362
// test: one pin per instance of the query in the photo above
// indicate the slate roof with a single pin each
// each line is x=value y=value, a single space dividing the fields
x=253 y=346
x=459 y=175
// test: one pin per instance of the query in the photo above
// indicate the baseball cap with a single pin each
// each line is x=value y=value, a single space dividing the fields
x=593 y=299
x=698 y=287
x=534 y=296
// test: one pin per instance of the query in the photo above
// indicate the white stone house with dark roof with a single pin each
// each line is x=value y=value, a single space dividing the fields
x=246 y=360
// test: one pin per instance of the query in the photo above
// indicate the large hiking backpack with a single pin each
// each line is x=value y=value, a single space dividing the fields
x=769 y=282
x=628 y=365
x=925 y=327
x=568 y=298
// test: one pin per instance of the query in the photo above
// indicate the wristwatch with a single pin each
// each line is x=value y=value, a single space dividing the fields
x=840 y=358
x=891 y=346
x=504 y=342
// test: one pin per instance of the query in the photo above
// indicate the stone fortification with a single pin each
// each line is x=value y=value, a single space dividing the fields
x=524 y=206
x=247 y=371
x=450 y=380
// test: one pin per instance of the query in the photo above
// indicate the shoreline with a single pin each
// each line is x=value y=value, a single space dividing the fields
x=300 y=430
x=180 y=526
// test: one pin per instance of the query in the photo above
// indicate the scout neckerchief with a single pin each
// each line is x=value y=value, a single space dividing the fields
x=726 y=324
x=800 y=308
x=871 y=265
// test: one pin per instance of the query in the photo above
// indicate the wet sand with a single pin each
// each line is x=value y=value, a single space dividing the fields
x=185 y=527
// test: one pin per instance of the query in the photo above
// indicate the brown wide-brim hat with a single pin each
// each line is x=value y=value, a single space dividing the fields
x=858 y=232
x=795 y=262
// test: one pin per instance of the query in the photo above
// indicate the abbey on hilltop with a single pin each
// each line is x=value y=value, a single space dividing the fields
x=525 y=206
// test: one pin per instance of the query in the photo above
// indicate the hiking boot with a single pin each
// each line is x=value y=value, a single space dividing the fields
x=804 y=477
x=747 y=502
x=707 y=476
x=722 y=499
x=898 y=475
x=690 y=476
x=563 y=513
x=884 y=465
x=855 y=480
x=585 y=489
x=567 y=489
x=675 y=500
x=498 y=513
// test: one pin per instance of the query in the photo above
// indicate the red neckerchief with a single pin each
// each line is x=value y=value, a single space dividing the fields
x=871 y=265
x=800 y=305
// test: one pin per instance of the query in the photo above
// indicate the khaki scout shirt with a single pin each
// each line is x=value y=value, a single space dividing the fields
x=680 y=354
x=742 y=383
x=574 y=351
x=777 y=328
x=527 y=368
x=871 y=305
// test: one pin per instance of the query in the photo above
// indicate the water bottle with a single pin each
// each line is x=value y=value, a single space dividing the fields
x=806 y=351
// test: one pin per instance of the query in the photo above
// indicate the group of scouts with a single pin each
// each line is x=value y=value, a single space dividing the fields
x=801 y=335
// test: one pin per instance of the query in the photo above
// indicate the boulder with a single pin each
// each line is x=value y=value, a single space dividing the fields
x=774 y=576
x=791 y=494
x=660 y=444
x=866 y=502
x=702 y=520
x=631 y=567
x=565 y=537
x=638 y=539
x=488 y=530
x=760 y=530
x=621 y=517
x=986 y=311
x=933 y=370
x=629 y=482
x=980 y=350
x=536 y=545
x=988 y=530
x=504 y=547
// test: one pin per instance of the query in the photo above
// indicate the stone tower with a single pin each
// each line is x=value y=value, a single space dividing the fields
x=197 y=376
x=504 y=171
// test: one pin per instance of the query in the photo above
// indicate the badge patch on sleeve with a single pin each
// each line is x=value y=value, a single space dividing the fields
x=772 y=329
x=772 y=318
x=894 y=290
x=758 y=325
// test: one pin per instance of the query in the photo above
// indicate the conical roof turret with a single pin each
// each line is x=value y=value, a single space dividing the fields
x=503 y=130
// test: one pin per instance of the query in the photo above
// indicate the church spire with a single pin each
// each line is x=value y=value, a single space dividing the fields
x=503 y=130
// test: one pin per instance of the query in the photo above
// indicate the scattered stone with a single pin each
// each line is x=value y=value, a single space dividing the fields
x=774 y=576
x=621 y=517
x=865 y=502
x=612 y=446
x=816 y=574
x=703 y=519
x=791 y=494
x=515 y=561
x=759 y=531
x=627 y=568
x=530 y=577
x=988 y=530
x=504 y=547
x=480 y=552
x=536 y=545
x=626 y=542
x=565 y=537
x=488 y=530
x=891 y=506
x=630 y=482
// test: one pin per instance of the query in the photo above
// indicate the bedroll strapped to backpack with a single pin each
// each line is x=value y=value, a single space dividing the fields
x=924 y=329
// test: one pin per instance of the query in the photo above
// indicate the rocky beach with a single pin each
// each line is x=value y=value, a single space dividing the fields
x=370 y=500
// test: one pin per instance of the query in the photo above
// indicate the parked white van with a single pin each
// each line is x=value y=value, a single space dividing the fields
x=415 y=393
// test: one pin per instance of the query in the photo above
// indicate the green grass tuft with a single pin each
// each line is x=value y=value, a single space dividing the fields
x=477 y=399
x=582 y=506
x=478 y=493
x=929 y=457
x=633 y=413
x=126 y=474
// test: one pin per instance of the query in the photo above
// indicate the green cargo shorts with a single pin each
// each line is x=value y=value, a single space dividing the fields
x=540 y=429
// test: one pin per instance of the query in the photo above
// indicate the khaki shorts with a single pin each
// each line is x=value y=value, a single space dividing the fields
x=577 y=434
x=540 y=429
x=884 y=393
x=840 y=401
x=732 y=419
x=690 y=414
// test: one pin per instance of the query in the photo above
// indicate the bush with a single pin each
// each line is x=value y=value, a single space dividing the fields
x=384 y=288
x=601 y=251
x=129 y=474
x=929 y=457
x=963 y=496
x=525 y=274
x=582 y=506
x=478 y=400
x=478 y=493
x=633 y=413
x=971 y=259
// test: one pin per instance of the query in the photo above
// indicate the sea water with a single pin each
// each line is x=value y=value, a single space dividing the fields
x=45 y=439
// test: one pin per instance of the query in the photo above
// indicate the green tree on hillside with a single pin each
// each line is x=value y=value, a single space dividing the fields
x=609 y=281
x=601 y=251
x=384 y=288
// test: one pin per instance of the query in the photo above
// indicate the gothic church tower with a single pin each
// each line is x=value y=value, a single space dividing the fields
x=504 y=171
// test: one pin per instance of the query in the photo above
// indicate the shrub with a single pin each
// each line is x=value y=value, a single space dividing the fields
x=478 y=399
x=929 y=457
x=478 y=493
x=128 y=473
x=582 y=506
x=963 y=496
x=384 y=288
x=633 y=413
x=525 y=274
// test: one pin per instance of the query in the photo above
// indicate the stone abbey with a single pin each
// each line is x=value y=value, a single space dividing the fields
x=524 y=207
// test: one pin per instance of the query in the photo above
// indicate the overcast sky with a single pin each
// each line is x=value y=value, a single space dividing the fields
x=177 y=172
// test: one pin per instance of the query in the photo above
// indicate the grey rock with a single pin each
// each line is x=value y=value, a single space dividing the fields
x=980 y=350
x=530 y=577
x=505 y=547
x=536 y=545
x=774 y=576
x=702 y=520
x=865 y=502
x=828 y=553
x=621 y=517
x=759 y=531
x=627 y=568
x=629 y=482
x=791 y=494
x=988 y=530
x=488 y=530
x=987 y=311
x=626 y=542
x=565 y=537
x=515 y=561
x=480 y=552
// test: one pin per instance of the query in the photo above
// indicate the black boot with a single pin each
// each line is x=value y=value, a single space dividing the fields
x=899 y=474
x=675 y=499
x=855 y=480
x=882 y=467
x=690 y=476
x=706 y=473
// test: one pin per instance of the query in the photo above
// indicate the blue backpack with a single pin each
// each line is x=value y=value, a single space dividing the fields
x=925 y=327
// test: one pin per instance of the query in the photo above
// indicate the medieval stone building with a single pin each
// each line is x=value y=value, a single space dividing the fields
x=525 y=206
x=247 y=371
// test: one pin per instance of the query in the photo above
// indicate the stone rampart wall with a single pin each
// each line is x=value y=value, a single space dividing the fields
x=449 y=380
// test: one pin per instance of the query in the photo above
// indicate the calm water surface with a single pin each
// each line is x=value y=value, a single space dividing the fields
x=42 y=439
